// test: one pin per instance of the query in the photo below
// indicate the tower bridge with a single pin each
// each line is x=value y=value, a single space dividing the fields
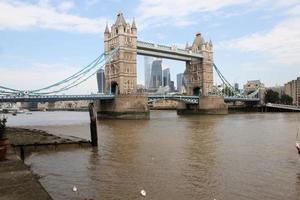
x=121 y=47
x=121 y=71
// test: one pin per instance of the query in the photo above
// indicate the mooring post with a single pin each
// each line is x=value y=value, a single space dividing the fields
x=22 y=153
x=93 y=125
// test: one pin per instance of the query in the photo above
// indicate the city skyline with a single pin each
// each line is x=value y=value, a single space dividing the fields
x=56 y=38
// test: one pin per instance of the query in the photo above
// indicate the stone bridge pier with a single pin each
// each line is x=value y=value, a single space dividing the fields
x=213 y=105
x=32 y=106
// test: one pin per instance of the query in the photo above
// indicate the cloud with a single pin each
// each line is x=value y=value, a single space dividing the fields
x=66 y=6
x=92 y=2
x=281 y=44
x=15 y=15
x=161 y=11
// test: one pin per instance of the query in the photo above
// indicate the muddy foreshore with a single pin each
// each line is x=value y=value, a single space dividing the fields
x=17 y=180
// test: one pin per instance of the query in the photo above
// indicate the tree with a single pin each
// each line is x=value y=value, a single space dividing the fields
x=272 y=96
x=228 y=91
x=286 y=99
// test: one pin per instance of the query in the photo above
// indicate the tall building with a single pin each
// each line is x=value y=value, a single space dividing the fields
x=101 y=80
x=166 y=77
x=179 y=81
x=292 y=89
x=156 y=74
x=236 y=87
x=172 y=86
x=147 y=70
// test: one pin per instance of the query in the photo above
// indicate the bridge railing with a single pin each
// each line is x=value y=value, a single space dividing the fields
x=147 y=44
x=164 y=47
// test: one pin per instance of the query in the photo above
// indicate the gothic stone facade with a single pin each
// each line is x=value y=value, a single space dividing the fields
x=199 y=72
x=120 y=72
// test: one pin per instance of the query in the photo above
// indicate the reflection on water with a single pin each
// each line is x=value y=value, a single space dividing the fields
x=240 y=156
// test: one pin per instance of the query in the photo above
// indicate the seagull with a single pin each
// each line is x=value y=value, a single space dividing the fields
x=74 y=188
x=143 y=193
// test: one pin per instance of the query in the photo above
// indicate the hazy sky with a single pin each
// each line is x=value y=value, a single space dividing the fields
x=43 y=41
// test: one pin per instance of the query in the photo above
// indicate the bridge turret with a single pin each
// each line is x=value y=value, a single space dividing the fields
x=187 y=45
x=120 y=73
x=133 y=26
x=200 y=71
x=106 y=36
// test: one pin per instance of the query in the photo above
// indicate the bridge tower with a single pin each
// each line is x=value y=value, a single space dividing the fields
x=120 y=73
x=199 y=72
x=199 y=80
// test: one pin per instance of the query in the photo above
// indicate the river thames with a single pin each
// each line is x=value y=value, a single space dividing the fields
x=249 y=156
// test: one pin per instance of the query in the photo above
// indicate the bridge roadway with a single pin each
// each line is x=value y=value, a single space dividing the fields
x=151 y=98
x=163 y=51
x=282 y=106
x=54 y=98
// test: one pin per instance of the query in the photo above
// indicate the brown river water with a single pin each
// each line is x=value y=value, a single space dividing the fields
x=233 y=157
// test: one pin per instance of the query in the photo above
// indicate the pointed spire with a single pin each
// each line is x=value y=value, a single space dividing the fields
x=133 y=26
x=210 y=42
x=198 y=41
x=106 y=28
x=187 y=45
x=120 y=20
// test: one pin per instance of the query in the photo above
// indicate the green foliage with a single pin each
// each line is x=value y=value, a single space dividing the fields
x=228 y=91
x=272 y=96
x=3 y=121
x=286 y=99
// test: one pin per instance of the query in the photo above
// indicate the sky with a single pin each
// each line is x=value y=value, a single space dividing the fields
x=44 y=41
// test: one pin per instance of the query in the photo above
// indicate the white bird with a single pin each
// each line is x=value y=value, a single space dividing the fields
x=74 y=188
x=143 y=193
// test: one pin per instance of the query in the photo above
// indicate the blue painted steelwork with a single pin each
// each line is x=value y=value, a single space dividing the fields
x=185 y=99
x=54 y=98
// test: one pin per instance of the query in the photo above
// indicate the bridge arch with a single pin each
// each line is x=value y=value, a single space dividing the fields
x=196 y=91
x=114 y=87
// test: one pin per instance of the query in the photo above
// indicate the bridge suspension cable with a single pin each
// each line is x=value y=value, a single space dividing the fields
x=72 y=81
x=79 y=73
x=76 y=75
x=74 y=84
x=231 y=88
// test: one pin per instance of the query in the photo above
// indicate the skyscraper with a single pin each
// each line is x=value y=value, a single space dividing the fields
x=236 y=87
x=101 y=81
x=156 y=74
x=179 y=81
x=166 y=77
x=172 y=86
x=147 y=70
